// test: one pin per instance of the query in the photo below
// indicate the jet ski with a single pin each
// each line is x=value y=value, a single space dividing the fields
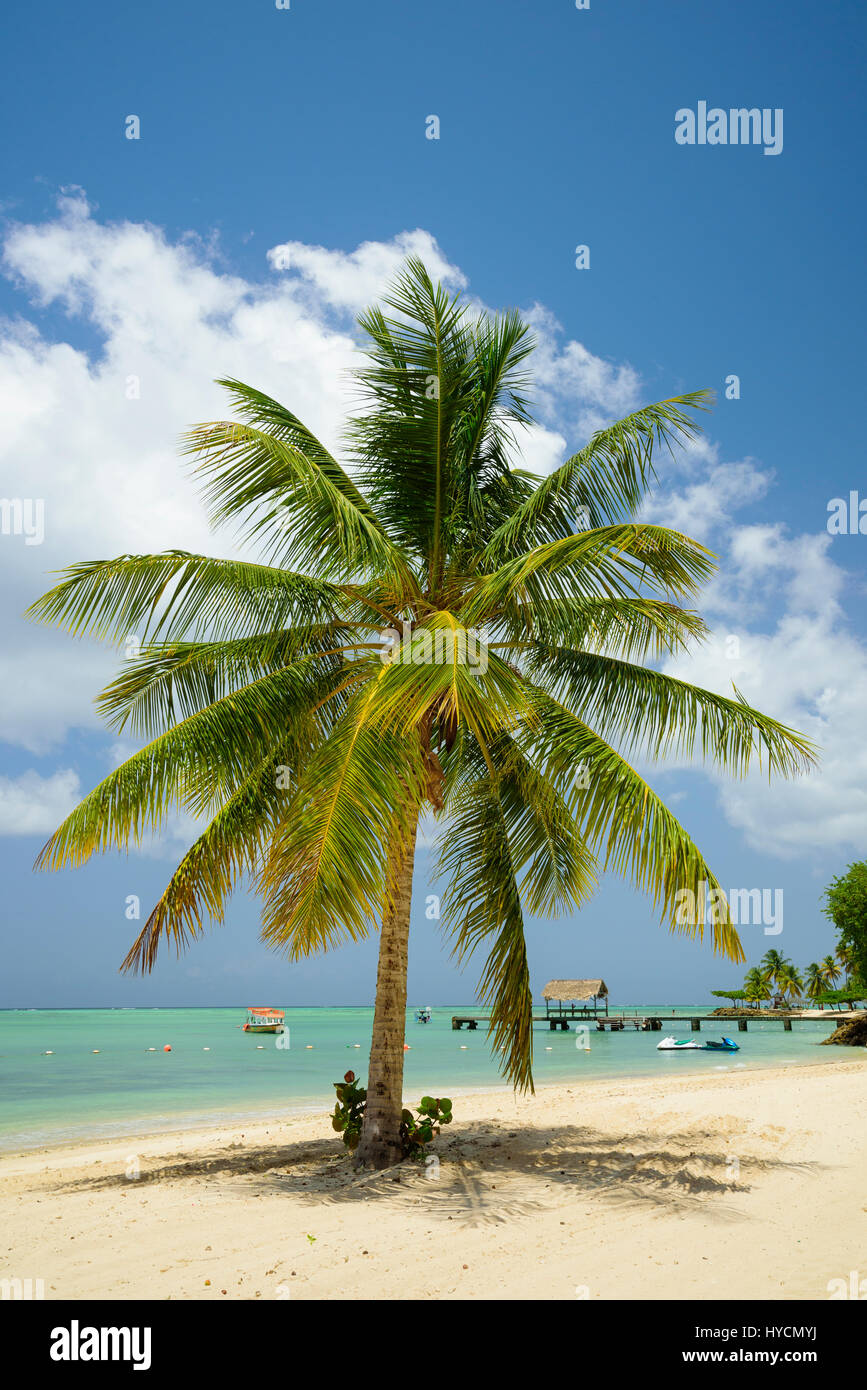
x=672 y=1044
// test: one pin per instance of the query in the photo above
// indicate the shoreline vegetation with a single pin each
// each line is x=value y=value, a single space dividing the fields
x=834 y=1015
x=675 y=1170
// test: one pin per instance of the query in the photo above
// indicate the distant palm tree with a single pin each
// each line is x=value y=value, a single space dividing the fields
x=831 y=971
x=756 y=986
x=816 y=983
x=790 y=982
x=844 y=956
x=275 y=709
x=773 y=965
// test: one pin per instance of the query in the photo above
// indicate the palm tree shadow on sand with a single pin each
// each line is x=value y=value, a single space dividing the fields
x=493 y=1176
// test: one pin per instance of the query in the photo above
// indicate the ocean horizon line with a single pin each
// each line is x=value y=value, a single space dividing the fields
x=447 y=1004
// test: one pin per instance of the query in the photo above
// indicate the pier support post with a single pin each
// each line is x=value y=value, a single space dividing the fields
x=742 y=1025
x=695 y=1025
x=787 y=1025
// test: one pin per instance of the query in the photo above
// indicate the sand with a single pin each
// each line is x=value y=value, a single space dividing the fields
x=737 y=1184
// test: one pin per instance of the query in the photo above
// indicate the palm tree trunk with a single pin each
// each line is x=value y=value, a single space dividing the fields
x=379 y=1145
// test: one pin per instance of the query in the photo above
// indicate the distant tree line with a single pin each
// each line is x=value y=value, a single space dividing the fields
x=777 y=980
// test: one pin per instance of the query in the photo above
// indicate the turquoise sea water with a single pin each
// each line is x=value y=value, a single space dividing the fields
x=126 y=1089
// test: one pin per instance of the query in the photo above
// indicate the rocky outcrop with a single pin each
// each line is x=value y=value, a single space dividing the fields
x=851 y=1034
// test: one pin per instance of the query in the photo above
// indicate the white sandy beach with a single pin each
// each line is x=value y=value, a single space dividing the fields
x=741 y=1184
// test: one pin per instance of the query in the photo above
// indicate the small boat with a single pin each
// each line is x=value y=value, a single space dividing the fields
x=672 y=1044
x=424 y=1015
x=265 y=1021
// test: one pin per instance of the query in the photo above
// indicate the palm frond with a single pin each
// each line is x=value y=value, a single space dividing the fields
x=605 y=481
x=663 y=716
x=481 y=902
x=167 y=682
x=283 y=498
x=209 y=872
x=626 y=561
x=420 y=363
x=191 y=595
x=437 y=673
x=193 y=767
x=627 y=825
x=631 y=628
x=324 y=876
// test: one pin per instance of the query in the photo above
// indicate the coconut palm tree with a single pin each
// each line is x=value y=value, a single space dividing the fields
x=844 y=956
x=830 y=971
x=756 y=986
x=773 y=966
x=816 y=981
x=311 y=743
x=790 y=982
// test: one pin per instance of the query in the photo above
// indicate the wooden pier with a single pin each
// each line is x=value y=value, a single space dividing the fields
x=553 y=1022
x=652 y=1023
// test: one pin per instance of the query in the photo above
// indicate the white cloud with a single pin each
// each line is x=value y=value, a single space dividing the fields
x=351 y=280
x=34 y=805
x=48 y=682
x=703 y=508
x=781 y=637
x=573 y=385
x=811 y=674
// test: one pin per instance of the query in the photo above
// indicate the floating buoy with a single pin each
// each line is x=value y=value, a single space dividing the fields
x=167 y=1048
x=463 y=1047
x=49 y=1053
x=95 y=1051
x=549 y=1049
x=406 y=1047
x=151 y=1049
x=260 y=1047
x=356 y=1044
x=309 y=1047
x=206 y=1049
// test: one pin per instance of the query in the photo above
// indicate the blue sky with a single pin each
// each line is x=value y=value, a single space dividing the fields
x=305 y=129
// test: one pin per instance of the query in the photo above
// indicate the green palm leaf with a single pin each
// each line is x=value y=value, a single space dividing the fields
x=626 y=824
x=605 y=482
x=664 y=716
x=190 y=595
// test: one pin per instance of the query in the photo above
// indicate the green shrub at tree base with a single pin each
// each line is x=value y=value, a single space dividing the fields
x=416 y=1130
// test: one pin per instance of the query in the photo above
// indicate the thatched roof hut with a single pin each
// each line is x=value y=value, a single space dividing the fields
x=562 y=990
x=575 y=998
